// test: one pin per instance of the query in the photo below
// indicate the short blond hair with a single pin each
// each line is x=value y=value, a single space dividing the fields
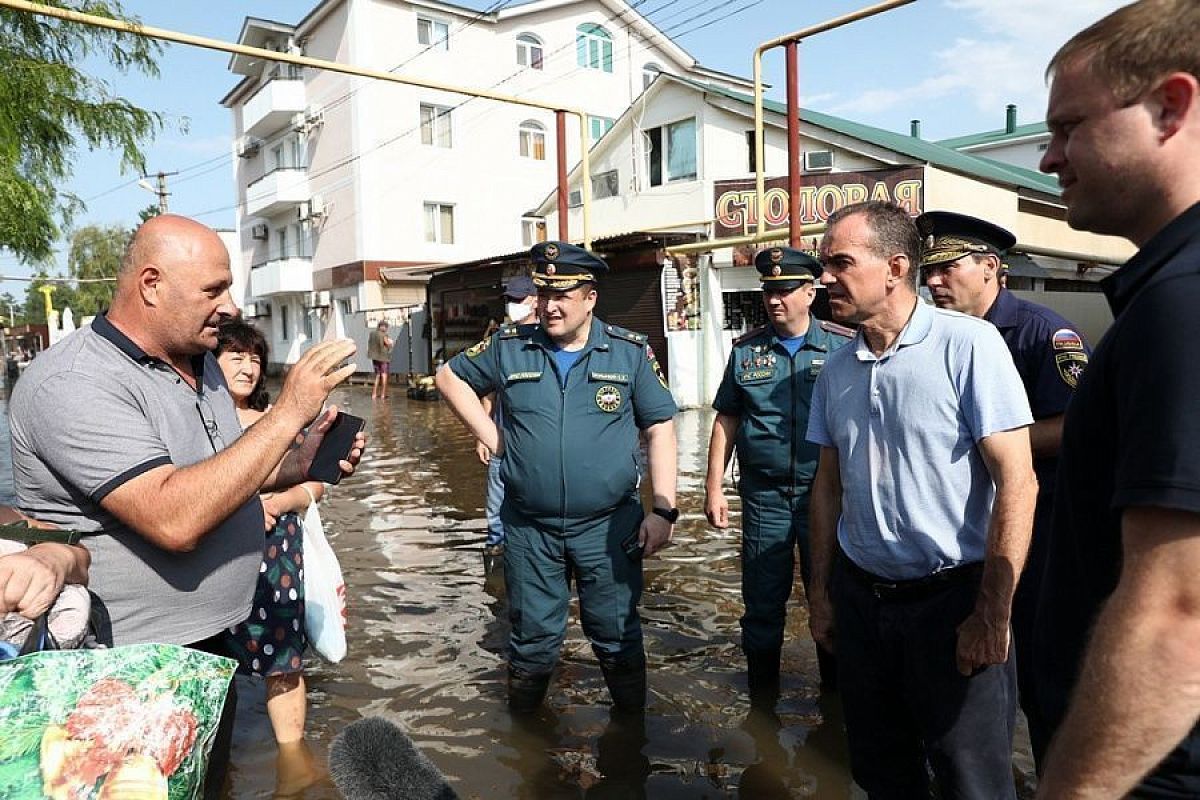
x=1137 y=45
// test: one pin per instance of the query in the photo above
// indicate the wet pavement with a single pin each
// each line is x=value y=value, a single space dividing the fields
x=428 y=627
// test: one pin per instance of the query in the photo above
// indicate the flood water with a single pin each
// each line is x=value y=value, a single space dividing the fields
x=428 y=628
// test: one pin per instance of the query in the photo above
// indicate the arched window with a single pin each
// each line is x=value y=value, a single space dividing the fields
x=593 y=47
x=649 y=73
x=529 y=51
x=532 y=137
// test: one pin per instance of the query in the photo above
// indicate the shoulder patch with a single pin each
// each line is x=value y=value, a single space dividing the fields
x=1066 y=339
x=750 y=334
x=656 y=367
x=476 y=349
x=835 y=329
x=1071 y=365
x=627 y=335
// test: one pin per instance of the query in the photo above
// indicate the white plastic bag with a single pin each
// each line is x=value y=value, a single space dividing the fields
x=324 y=591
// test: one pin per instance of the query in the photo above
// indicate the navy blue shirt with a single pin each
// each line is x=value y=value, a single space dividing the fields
x=1131 y=438
x=1050 y=355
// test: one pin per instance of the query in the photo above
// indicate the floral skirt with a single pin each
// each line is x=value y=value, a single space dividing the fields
x=272 y=641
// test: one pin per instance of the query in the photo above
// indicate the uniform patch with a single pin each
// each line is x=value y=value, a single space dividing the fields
x=658 y=373
x=756 y=375
x=814 y=368
x=608 y=398
x=613 y=377
x=1066 y=339
x=524 y=376
x=1070 y=366
x=477 y=348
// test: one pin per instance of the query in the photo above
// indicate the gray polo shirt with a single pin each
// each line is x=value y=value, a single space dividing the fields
x=95 y=411
x=916 y=493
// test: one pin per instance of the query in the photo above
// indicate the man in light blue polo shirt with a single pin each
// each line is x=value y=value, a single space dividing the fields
x=922 y=509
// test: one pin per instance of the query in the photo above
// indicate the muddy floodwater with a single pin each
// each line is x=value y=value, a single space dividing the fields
x=427 y=633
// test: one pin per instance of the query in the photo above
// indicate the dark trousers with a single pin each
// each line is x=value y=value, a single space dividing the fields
x=1023 y=618
x=218 y=759
x=905 y=702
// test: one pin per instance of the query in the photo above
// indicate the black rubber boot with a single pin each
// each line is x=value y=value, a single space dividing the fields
x=626 y=683
x=762 y=668
x=526 y=691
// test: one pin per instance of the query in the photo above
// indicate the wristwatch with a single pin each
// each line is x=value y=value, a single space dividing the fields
x=669 y=514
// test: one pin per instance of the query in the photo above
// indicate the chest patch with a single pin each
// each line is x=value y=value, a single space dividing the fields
x=608 y=398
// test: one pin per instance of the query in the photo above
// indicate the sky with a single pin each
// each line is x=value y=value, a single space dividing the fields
x=953 y=64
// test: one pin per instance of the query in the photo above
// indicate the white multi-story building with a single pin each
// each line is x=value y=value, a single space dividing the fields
x=340 y=177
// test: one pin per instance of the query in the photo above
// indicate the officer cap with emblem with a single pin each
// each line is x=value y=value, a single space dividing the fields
x=950 y=236
x=786 y=268
x=560 y=267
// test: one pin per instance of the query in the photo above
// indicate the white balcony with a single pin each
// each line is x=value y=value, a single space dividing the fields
x=273 y=106
x=277 y=191
x=281 y=276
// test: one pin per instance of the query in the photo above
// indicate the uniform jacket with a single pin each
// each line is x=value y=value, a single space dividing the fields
x=569 y=453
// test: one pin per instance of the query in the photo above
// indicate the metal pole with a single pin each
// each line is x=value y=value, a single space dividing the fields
x=793 y=143
x=162 y=193
x=560 y=122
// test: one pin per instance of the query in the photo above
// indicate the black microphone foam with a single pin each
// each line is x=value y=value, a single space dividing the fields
x=372 y=759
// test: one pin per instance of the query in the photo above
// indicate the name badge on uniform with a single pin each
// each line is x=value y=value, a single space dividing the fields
x=513 y=377
x=756 y=375
x=814 y=368
x=609 y=377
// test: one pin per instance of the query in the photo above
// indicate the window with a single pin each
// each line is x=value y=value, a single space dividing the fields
x=529 y=51
x=649 y=73
x=750 y=148
x=347 y=304
x=532 y=137
x=593 y=47
x=533 y=230
x=439 y=223
x=435 y=125
x=606 y=184
x=289 y=242
x=283 y=321
x=672 y=152
x=433 y=32
x=598 y=127
x=287 y=153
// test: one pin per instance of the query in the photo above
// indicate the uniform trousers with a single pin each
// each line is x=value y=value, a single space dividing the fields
x=774 y=526
x=539 y=564
x=905 y=702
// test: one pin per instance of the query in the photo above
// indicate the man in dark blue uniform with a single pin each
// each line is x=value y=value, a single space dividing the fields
x=962 y=268
x=762 y=409
x=575 y=392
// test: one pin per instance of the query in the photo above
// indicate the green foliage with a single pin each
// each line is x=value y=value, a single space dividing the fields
x=49 y=107
x=96 y=252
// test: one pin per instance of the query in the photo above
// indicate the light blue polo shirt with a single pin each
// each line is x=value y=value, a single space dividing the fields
x=916 y=493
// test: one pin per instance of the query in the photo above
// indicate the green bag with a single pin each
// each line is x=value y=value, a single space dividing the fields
x=135 y=722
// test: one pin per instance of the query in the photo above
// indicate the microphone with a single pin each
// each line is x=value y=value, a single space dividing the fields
x=372 y=759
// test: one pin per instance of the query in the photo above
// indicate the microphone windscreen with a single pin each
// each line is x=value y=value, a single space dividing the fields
x=372 y=759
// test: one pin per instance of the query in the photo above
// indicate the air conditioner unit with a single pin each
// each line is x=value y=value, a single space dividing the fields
x=248 y=146
x=314 y=115
x=303 y=212
x=575 y=198
x=250 y=311
x=818 y=160
x=258 y=232
x=262 y=309
x=316 y=206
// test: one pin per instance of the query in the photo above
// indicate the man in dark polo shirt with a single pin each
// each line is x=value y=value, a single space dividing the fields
x=1117 y=641
x=126 y=431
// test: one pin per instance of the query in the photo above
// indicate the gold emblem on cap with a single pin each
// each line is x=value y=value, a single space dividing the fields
x=775 y=271
x=551 y=252
x=776 y=256
x=929 y=240
x=550 y=268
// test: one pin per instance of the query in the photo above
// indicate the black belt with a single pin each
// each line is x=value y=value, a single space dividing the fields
x=916 y=588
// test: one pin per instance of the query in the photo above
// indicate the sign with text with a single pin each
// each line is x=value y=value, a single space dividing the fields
x=736 y=211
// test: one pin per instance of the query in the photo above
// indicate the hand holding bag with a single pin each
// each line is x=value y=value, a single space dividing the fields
x=324 y=590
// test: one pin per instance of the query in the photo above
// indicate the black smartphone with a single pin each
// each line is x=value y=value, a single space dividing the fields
x=632 y=548
x=335 y=447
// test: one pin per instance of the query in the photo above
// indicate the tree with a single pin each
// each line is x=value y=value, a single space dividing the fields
x=49 y=106
x=96 y=252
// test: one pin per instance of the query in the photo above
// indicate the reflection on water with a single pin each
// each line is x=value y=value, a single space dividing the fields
x=428 y=631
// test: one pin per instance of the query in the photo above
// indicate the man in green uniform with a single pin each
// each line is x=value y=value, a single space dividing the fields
x=575 y=392
x=762 y=410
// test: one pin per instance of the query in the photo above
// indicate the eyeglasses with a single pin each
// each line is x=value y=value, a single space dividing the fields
x=211 y=428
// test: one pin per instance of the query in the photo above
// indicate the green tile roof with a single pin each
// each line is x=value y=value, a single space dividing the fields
x=994 y=137
x=918 y=150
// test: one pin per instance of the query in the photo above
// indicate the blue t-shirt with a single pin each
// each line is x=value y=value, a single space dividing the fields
x=565 y=359
x=793 y=343
x=916 y=493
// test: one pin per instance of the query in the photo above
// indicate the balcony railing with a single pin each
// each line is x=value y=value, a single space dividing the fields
x=278 y=191
x=281 y=276
x=273 y=106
